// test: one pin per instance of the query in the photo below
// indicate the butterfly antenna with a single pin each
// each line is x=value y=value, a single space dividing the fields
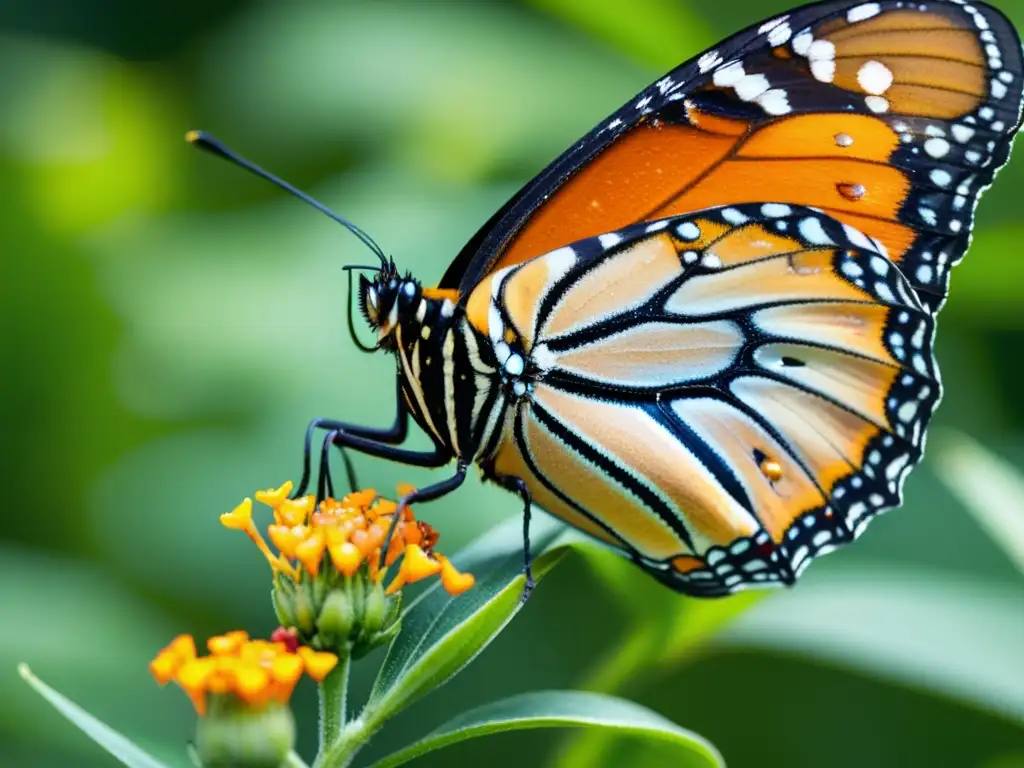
x=208 y=143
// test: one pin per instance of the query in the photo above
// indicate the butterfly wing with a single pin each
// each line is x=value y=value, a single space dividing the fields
x=892 y=116
x=722 y=395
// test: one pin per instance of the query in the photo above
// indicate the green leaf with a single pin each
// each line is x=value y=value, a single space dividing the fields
x=942 y=635
x=440 y=634
x=112 y=741
x=563 y=709
x=990 y=488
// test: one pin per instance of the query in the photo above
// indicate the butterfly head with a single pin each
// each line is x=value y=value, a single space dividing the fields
x=387 y=299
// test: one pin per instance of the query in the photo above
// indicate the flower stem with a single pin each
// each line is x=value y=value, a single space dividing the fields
x=333 y=698
x=342 y=752
x=294 y=761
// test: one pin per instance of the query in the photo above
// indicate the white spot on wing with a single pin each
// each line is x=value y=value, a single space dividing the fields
x=937 y=148
x=962 y=133
x=728 y=75
x=708 y=61
x=776 y=209
x=941 y=177
x=858 y=238
x=822 y=50
x=874 y=77
x=734 y=217
x=907 y=411
x=877 y=104
x=824 y=70
x=802 y=43
x=812 y=231
x=771 y=24
x=751 y=86
x=775 y=102
x=862 y=12
x=852 y=269
x=689 y=231
x=779 y=35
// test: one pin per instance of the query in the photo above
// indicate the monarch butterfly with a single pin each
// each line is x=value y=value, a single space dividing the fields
x=703 y=335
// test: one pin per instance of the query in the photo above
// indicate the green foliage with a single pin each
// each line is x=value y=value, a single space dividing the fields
x=110 y=740
x=561 y=709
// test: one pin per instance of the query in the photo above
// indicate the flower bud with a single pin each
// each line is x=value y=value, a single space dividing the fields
x=235 y=735
x=374 y=610
x=336 y=619
x=338 y=577
x=294 y=605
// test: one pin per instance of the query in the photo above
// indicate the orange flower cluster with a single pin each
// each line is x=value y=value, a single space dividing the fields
x=350 y=532
x=255 y=671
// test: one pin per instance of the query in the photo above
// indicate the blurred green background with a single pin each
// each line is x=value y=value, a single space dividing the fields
x=169 y=324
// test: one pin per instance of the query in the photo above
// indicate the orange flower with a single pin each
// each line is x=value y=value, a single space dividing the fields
x=255 y=672
x=351 y=532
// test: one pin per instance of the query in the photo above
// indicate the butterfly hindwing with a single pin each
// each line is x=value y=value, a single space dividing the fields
x=891 y=116
x=723 y=394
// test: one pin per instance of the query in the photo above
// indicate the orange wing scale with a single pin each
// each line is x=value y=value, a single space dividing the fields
x=660 y=169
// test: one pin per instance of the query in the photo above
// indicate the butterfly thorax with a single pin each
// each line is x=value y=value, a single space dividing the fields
x=453 y=383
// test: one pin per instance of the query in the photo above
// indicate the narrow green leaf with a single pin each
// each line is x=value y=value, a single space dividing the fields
x=440 y=635
x=947 y=636
x=112 y=741
x=990 y=488
x=564 y=709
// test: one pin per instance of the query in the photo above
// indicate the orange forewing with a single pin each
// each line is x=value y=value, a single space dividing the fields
x=659 y=169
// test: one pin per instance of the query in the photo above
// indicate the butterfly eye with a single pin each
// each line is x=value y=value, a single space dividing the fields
x=371 y=298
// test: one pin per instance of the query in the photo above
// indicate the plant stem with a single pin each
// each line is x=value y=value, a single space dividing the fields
x=352 y=739
x=294 y=761
x=333 y=699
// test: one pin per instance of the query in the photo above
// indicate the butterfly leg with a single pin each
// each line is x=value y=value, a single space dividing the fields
x=342 y=439
x=431 y=492
x=392 y=435
x=517 y=486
